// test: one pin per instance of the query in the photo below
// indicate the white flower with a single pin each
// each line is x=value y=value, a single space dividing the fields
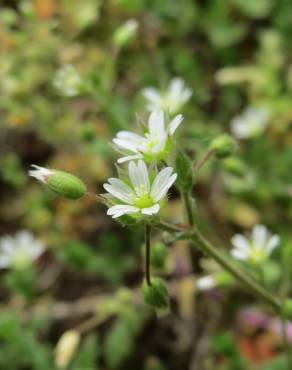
x=251 y=123
x=257 y=248
x=206 y=283
x=140 y=195
x=40 y=173
x=68 y=81
x=156 y=142
x=19 y=250
x=171 y=100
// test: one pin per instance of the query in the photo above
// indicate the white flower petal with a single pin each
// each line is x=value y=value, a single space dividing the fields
x=118 y=193
x=174 y=124
x=241 y=243
x=126 y=144
x=130 y=136
x=129 y=158
x=139 y=177
x=121 y=186
x=272 y=243
x=120 y=210
x=151 y=210
x=162 y=183
x=240 y=254
x=144 y=175
x=40 y=173
x=153 y=96
x=206 y=283
x=156 y=124
x=259 y=236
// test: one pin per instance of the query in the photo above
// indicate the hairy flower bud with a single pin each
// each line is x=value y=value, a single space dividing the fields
x=223 y=145
x=156 y=294
x=62 y=183
x=158 y=255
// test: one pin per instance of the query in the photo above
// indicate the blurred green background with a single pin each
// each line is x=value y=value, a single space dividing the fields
x=71 y=76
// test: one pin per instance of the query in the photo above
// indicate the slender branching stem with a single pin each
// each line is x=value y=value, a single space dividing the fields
x=205 y=159
x=147 y=253
x=251 y=285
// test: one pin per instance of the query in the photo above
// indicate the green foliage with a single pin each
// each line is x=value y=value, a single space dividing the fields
x=20 y=347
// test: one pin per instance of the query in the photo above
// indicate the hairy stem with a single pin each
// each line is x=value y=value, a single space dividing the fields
x=147 y=253
x=201 y=163
x=188 y=206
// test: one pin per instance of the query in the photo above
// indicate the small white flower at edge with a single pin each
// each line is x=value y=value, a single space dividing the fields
x=257 y=247
x=206 y=283
x=19 y=250
x=140 y=196
x=176 y=95
x=252 y=122
x=154 y=145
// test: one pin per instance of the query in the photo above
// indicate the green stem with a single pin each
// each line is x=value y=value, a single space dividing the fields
x=188 y=206
x=147 y=253
x=205 y=246
x=207 y=156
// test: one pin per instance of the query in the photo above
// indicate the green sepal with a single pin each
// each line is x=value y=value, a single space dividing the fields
x=184 y=170
x=66 y=185
x=156 y=294
x=223 y=145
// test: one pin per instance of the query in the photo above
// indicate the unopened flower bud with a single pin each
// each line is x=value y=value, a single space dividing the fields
x=125 y=33
x=156 y=294
x=62 y=183
x=223 y=145
x=235 y=166
x=158 y=255
x=66 y=348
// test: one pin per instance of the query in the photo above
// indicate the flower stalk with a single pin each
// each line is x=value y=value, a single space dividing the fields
x=147 y=253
